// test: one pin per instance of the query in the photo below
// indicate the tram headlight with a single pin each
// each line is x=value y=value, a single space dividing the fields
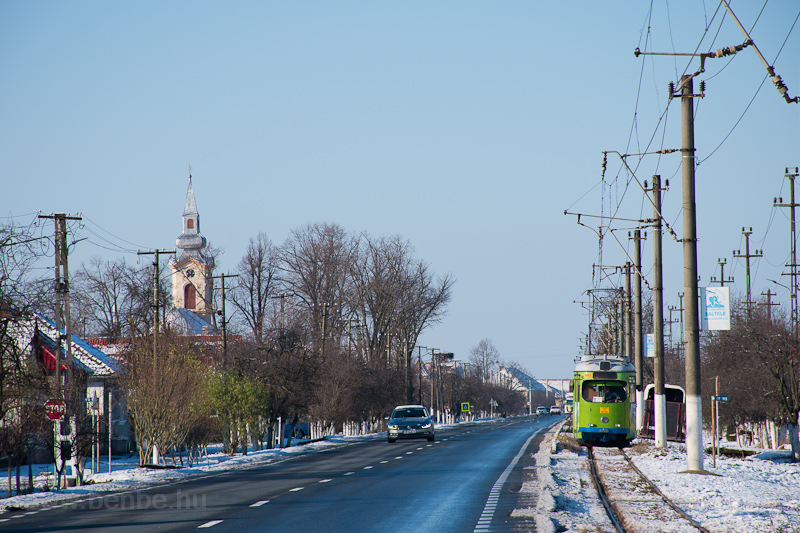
x=604 y=419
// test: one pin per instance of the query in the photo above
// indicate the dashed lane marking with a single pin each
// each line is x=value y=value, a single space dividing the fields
x=485 y=521
x=296 y=489
x=259 y=504
x=210 y=524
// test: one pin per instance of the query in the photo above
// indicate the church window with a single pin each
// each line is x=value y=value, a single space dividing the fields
x=189 y=296
x=190 y=224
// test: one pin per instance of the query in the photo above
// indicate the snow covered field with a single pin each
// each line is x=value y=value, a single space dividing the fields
x=760 y=493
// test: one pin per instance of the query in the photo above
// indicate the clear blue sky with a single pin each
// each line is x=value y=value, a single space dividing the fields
x=467 y=127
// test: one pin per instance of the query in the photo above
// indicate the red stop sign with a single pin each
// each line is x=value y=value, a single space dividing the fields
x=55 y=409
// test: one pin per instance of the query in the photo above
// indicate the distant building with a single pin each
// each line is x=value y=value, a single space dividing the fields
x=192 y=282
x=94 y=368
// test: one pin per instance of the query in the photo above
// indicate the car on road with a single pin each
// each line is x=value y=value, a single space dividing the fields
x=541 y=410
x=555 y=410
x=410 y=422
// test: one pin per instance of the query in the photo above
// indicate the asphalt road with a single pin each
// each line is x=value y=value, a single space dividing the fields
x=467 y=480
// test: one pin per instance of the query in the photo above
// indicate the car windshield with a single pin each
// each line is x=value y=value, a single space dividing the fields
x=409 y=413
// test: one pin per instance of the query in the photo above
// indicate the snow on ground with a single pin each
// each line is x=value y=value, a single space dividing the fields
x=759 y=494
x=756 y=494
x=127 y=476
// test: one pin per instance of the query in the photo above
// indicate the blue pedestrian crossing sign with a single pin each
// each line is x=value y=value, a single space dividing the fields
x=465 y=407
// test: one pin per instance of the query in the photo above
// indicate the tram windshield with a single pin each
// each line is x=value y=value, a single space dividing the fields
x=604 y=391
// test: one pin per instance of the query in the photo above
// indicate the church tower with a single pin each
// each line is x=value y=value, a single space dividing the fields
x=191 y=270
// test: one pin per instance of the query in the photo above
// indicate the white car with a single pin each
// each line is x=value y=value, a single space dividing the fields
x=555 y=410
x=541 y=410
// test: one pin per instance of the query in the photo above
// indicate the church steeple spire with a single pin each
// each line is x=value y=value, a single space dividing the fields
x=190 y=241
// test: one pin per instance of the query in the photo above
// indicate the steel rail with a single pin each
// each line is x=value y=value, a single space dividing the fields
x=661 y=494
x=612 y=515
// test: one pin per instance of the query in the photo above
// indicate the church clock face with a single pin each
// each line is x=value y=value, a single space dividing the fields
x=190 y=273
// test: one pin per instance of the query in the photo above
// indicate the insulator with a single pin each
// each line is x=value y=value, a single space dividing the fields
x=703 y=86
x=667 y=184
x=671 y=88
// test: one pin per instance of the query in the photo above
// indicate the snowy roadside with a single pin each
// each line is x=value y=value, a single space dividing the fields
x=760 y=493
x=127 y=476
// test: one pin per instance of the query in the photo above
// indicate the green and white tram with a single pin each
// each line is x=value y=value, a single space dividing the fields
x=604 y=401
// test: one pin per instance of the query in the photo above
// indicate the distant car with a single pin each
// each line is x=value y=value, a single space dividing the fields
x=555 y=410
x=541 y=410
x=410 y=422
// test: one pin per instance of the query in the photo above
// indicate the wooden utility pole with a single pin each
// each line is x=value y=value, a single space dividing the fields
x=62 y=303
x=155 y=253
x=747 y=255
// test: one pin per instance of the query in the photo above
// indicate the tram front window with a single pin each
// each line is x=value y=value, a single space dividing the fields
x=604 y=392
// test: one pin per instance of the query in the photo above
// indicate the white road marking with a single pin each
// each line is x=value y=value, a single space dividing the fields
x=296 y=489
x=494 y=495
x=325 y=480
x=349 y=473
x=210 y=524
x=259 y=504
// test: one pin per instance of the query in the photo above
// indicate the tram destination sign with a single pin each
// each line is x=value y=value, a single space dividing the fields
x=719 y=398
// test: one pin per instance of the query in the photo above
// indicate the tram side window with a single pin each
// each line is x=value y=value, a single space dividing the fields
x=600 y=392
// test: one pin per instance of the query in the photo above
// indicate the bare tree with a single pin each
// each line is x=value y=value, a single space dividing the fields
x=485 y=356
x=100 y=291
x=757 y=362
x=256 y=284
x=314 y=265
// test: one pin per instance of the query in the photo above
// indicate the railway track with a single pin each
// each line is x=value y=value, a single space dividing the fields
x=631 y=500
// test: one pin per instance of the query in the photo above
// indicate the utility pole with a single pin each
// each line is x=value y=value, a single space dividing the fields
x=222 y=313
x=155 y=253
x=324 y=323
x=659 y=404
x=638 y=339
x=628 y=313
x=682 y=348
x=62 y=306
x=694 y=405
x=778 y=202
x=722 y=281
x=747 y=255
x=769 y=294
x=671 y=309
x=65 y=388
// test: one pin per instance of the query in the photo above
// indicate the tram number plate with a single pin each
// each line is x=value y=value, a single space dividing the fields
x=603 y=430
